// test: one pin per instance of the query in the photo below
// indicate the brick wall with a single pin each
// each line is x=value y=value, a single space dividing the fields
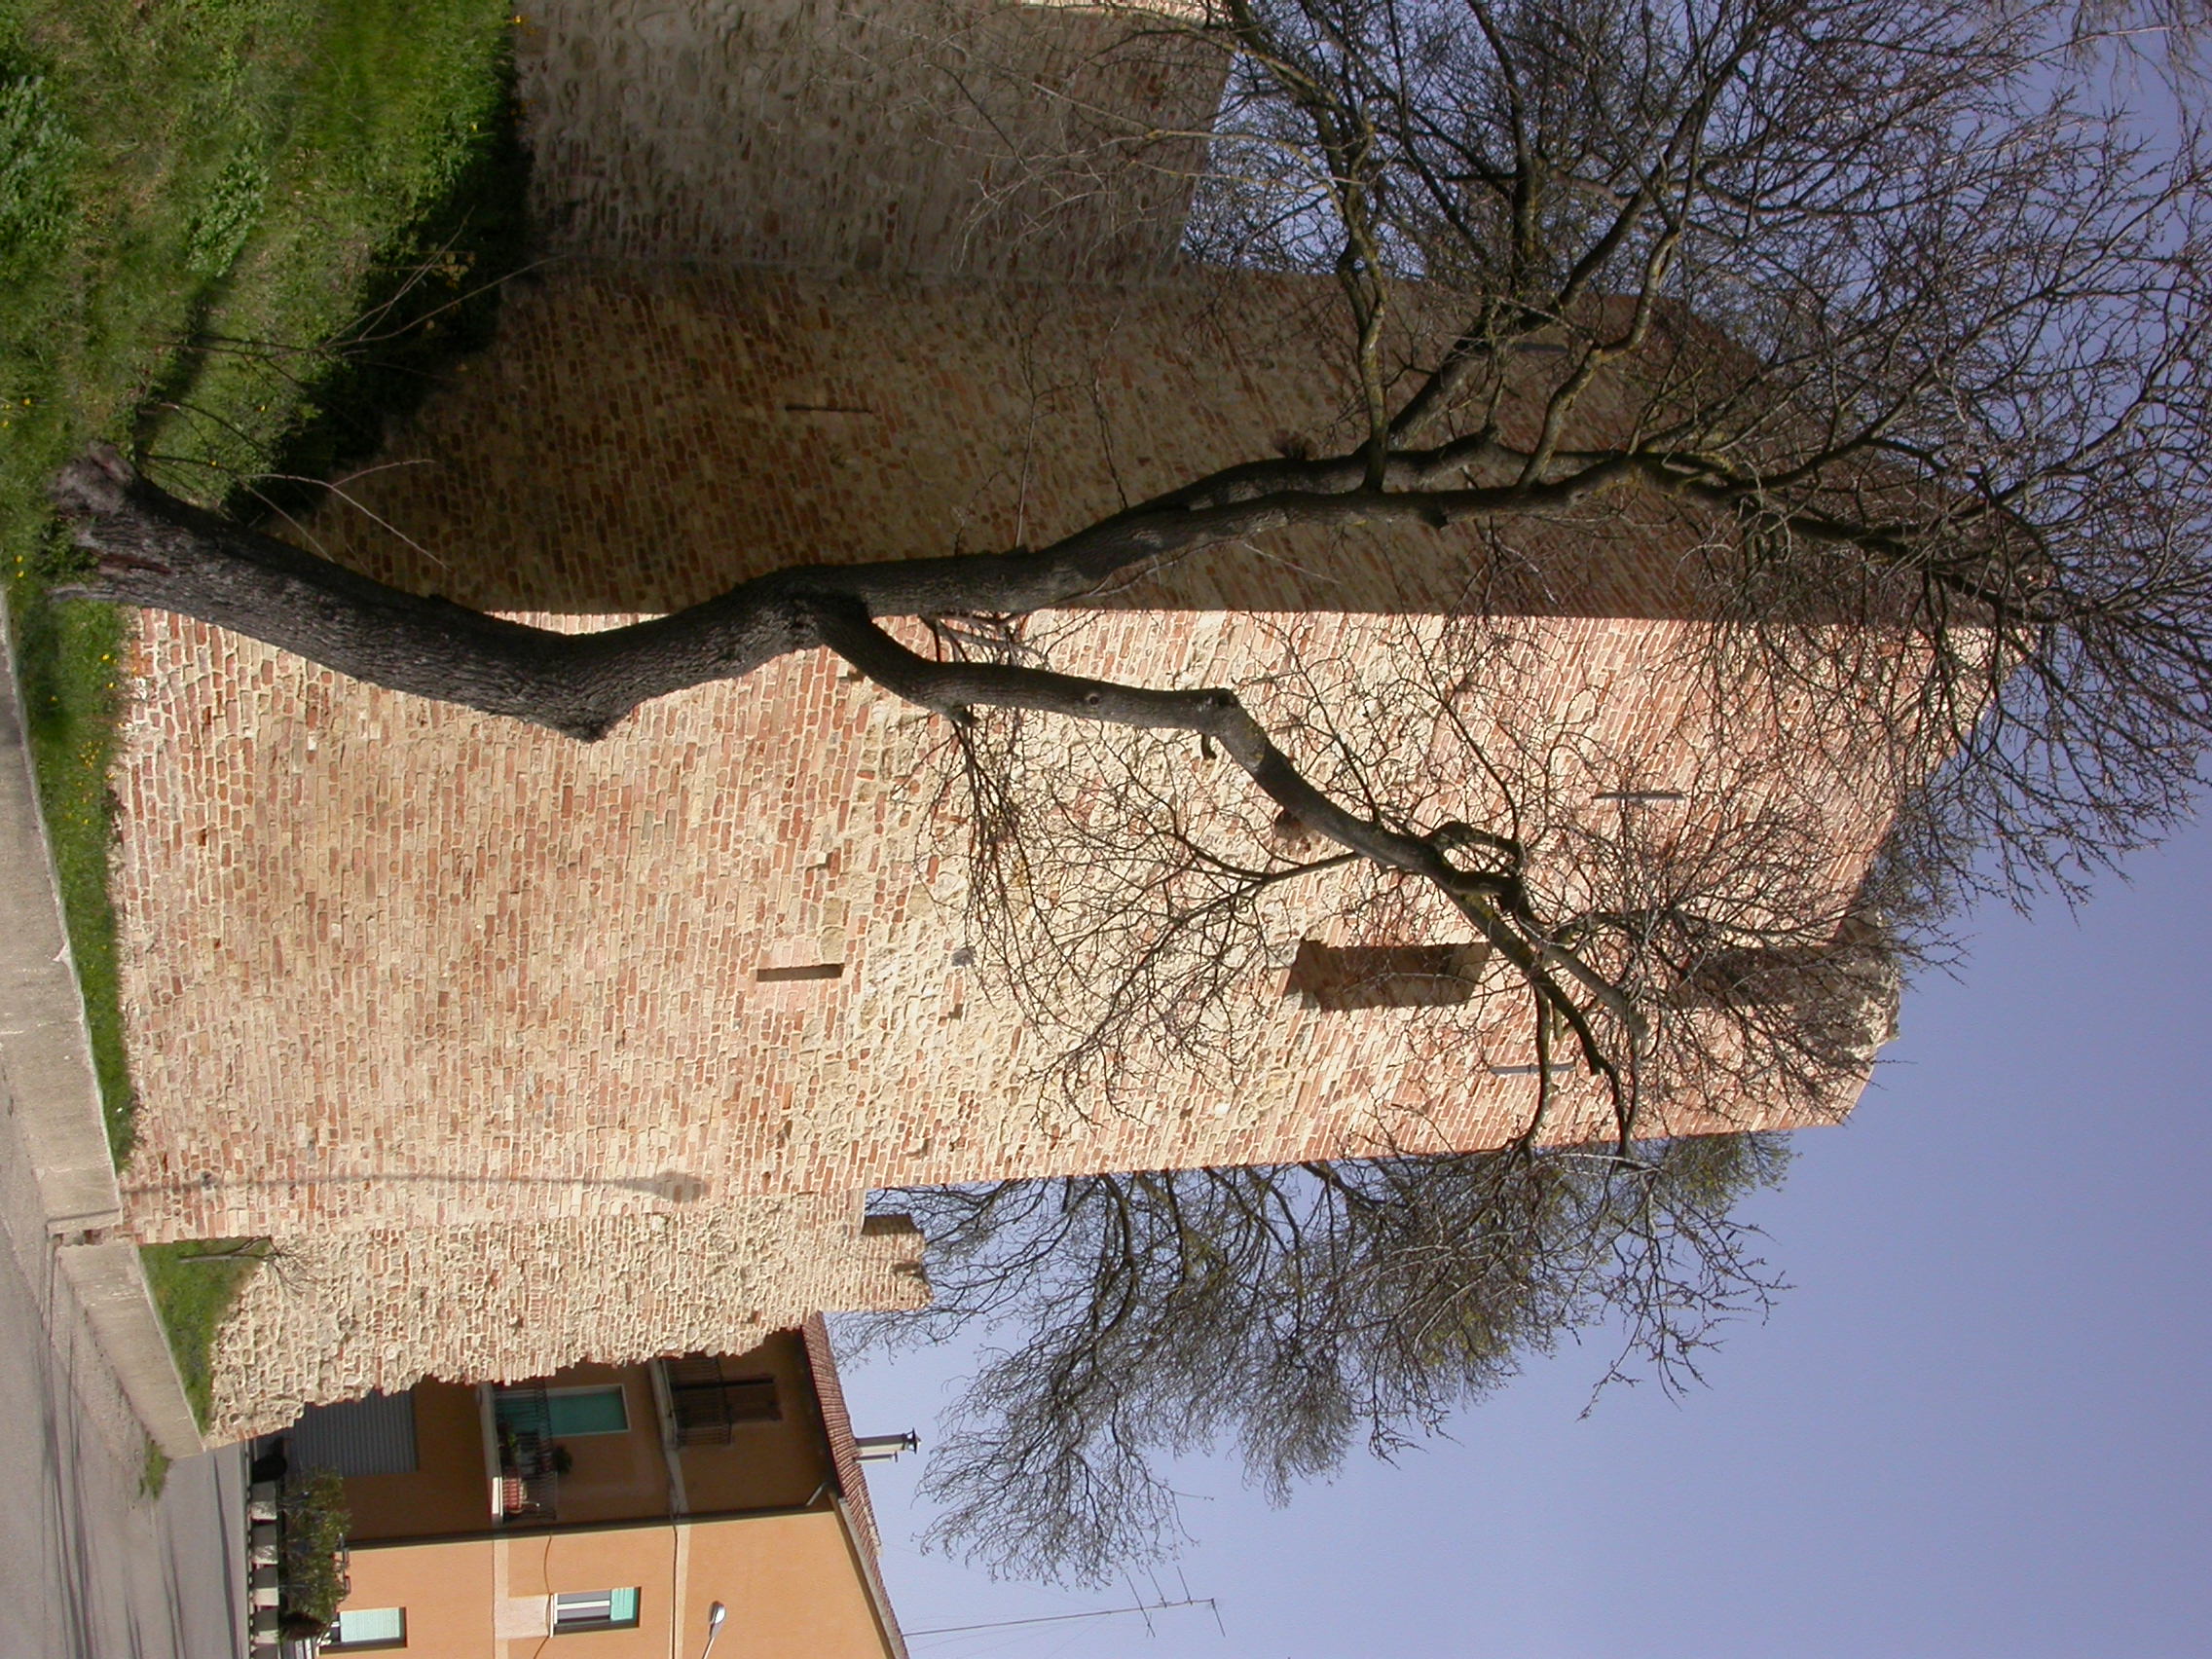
x=393 y=966
x=392 y=940
x=639 y=439
x=924 y=135
x=392 y=961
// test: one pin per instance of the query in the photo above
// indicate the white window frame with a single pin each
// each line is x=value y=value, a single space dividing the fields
x=335 y=1642
x=570 y=1612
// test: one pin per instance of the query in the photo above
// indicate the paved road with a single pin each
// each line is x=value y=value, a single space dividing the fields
x=89 y=1568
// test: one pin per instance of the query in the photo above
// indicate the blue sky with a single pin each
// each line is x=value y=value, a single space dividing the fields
x=1981 y=1424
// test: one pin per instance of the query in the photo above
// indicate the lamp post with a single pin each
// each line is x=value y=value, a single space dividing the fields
x=715 y=1617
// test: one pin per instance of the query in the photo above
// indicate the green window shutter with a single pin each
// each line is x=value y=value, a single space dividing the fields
x=587 y=1411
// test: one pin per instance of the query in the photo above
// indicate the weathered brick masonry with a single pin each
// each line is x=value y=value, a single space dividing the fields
x=469 y=1018
x=937 y=136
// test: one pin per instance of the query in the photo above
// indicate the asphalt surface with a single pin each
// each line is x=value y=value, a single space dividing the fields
x=89 y=1566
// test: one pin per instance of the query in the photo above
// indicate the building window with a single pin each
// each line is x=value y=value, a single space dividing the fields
x=359 y=1628
x=1340 y=978
x=705 y=1404
x=576 y=1611
x=806 y=970
x=586 y=1411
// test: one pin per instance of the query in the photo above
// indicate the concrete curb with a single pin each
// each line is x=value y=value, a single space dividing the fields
x=46 y=1073
x=111 y=1288
x=45 y=1054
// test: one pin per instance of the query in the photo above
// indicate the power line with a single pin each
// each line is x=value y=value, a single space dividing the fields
x=1144 y=1608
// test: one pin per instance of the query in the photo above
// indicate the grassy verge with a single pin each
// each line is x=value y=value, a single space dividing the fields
x=235 y=235
x=67 y=658
x=194 y=1285
x=154 y=1472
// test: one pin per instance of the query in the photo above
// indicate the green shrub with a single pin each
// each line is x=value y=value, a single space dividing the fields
x=311 y=1580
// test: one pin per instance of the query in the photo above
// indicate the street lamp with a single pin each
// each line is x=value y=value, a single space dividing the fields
x=715 y=1617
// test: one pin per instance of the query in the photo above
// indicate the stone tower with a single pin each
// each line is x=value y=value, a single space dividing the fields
x=525 y=1051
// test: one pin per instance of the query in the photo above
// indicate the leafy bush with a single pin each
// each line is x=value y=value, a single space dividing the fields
x=312 y=1583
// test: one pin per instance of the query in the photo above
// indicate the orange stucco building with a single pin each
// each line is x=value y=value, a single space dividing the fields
x=613 y=1507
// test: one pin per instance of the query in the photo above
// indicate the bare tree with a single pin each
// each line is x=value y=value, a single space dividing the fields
x=1290 y=1313
x=1691 y=905
x=1886 y=316
x=1871 y=297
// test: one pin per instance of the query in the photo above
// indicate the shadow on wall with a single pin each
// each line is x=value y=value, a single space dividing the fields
x=638 y=440
x=832 y=285
x=670 y=1186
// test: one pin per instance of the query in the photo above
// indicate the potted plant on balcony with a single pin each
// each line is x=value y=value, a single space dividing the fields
x=311 y=1564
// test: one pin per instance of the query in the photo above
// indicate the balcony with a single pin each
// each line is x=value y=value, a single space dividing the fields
x=704 y=1406
x=526 y=1488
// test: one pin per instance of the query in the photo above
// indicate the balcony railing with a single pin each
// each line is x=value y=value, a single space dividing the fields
x=530 y=1479
x=705 y=1405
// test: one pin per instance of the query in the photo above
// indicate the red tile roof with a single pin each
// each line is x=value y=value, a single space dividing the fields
x=851 y=1482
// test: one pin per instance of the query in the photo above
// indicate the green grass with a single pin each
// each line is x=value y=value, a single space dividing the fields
x=235 y=236
x=68 y=658
x=154 y=1473
x=194 y=1285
